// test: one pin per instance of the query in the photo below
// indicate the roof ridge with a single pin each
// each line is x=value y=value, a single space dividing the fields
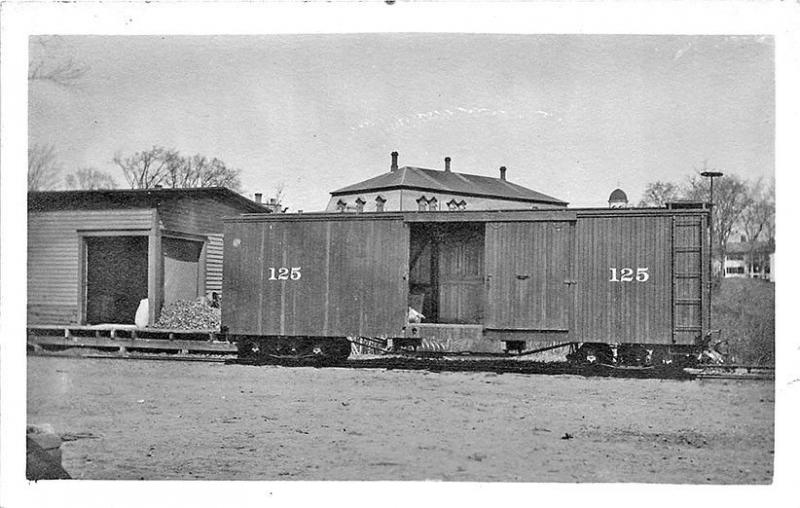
x=455 y=182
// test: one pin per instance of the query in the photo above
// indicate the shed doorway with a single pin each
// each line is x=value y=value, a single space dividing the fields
x=116 y=278
x=446 y=272
x=181 y=269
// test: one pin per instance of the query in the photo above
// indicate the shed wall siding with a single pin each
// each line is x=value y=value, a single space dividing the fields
x=196 y=216
x=53 y=253
x=214 y=263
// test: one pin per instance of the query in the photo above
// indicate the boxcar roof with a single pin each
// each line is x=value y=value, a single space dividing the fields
x=42 y=201
x=470 y=216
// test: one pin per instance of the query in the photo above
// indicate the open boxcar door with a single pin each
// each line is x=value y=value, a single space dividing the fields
x=528 y=277
x=316 y=276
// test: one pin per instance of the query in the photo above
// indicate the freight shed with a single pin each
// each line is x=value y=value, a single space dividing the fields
x=480 y=278
x=93 y=255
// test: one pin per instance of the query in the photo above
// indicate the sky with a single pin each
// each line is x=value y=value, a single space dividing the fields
x=572 y=116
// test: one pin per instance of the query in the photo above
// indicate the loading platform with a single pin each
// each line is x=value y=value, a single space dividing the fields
x=123 y=339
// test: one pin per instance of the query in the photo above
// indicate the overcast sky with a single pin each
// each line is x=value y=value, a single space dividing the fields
x=571 y=116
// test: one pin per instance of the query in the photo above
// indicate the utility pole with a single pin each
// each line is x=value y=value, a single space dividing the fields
x=711 y=175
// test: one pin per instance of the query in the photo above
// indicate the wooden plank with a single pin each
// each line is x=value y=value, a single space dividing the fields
x=155 y=279
x=95 y=342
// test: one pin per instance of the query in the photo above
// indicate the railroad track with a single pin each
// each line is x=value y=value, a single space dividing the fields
x=511 y=366
x=734 y=371
x=472 y=363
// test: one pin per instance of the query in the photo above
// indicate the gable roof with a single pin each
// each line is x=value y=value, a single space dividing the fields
x=760 y=247
x=409 y=177
x=40 y=201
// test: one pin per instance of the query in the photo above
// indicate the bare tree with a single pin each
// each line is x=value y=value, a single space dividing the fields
x=168 y=168
x=276 y=201
x=731 y=199
x=43 y=168
x=200 y=171
x=90 y=179
x=51 y=61
x=659 y=193
x=757 y=217
x=147 y=169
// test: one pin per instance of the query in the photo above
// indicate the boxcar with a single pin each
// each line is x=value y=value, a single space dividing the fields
x=624 y=285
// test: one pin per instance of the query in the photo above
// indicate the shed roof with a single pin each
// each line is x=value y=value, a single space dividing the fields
x=410 y=177
x=40 y=201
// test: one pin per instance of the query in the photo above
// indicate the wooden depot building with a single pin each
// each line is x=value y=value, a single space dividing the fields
x=94 y=255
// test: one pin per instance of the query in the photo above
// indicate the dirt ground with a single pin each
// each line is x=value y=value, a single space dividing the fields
x=168 y=420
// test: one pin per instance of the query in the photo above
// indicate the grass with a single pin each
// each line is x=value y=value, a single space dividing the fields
x=744 y=309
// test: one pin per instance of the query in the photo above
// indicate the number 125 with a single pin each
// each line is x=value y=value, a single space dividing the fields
x=626 y=275
x=284 y=273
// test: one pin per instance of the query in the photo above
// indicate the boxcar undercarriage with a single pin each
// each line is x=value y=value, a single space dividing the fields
x=337 y=349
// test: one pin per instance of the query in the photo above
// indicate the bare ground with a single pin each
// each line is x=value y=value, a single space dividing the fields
x=167 y=420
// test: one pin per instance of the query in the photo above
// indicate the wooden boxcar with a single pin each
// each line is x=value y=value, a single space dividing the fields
x=614 y=283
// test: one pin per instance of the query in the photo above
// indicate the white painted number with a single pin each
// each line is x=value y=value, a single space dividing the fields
x=626 y=275
x=283 y=273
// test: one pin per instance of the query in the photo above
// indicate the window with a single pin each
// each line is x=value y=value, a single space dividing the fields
x=452 y=205
x=380 y=201
x=360 y=204
x=734 y=269
x=433 y=204
x=422 y=203
x=462 y=205
x=341 y=206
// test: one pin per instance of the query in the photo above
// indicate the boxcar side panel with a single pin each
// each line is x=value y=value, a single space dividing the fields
x=624 y=279
x=349 y=278
x=528 y=269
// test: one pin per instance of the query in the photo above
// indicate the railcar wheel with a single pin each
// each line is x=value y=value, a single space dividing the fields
x=335 y=349
x=632 y=355
x=249 y=348
x=592 y=354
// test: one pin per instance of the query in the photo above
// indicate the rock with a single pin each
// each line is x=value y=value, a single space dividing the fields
x=41 y=465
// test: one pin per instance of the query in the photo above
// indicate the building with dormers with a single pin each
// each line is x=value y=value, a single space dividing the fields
x=618 y=199
x=411 y=188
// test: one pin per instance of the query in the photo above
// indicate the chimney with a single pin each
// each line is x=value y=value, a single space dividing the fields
x=258 y=197
x=502 y=173
x=394 y=161
x=447 y=164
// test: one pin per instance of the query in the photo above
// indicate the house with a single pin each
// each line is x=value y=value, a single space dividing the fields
x=94 y=255
x=750 y=260
x=412 y=188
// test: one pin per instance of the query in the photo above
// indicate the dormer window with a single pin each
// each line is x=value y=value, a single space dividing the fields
x=341 y=206
x=422 y=203
x=433 y=204
x=360 y=204
x=380 y=201
x=462 y=205
x=452 y=205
